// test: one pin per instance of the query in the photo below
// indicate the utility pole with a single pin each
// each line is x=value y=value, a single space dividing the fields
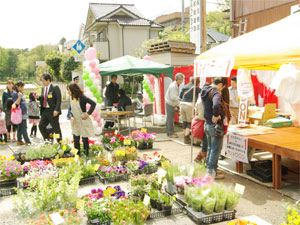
x=203 y=25
x=182 y=16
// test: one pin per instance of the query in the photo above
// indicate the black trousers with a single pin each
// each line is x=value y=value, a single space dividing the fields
x=3 y=137
x=85 y=141
x=46 y=118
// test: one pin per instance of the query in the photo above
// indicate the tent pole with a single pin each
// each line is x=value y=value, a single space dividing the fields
x=193 y=113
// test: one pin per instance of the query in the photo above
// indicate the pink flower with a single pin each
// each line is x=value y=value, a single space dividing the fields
x=113 y=140
x=106 y=135
x=8 y=174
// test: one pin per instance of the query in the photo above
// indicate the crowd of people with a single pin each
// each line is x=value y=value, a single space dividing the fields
x=215 y=107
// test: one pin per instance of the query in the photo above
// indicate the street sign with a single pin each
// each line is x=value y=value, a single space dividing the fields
x=79 y=46
x=79 y=58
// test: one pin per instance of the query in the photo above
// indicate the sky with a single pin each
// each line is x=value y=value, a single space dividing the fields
x=28 y=23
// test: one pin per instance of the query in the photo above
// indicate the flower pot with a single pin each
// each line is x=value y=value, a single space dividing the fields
x=171 y=188
x=180 y=190
x=150 y=145
x=159 y=206
x=167 y=210
x=153 y=203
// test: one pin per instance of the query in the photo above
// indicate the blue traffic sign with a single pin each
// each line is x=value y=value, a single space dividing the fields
x=79 y=46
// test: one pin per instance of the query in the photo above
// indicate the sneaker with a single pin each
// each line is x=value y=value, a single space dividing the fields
x=221 y=157
x=173 y=135
x=14 y=139
x=219 y=175
x=20 y=143
x=27 y=144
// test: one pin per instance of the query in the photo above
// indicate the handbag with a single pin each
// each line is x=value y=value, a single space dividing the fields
x=16 y=115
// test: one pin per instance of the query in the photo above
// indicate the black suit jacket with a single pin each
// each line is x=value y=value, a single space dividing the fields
x=53 y=98
x=112 y=93
x=83 y=101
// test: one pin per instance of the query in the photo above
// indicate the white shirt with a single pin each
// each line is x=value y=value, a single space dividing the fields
x=234 y=103
x=172 y=95
x=44 y=93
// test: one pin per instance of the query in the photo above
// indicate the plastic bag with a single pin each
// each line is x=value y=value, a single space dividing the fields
x=209 y=201
x=16 y=115
x=232 y=200
x=221 y=195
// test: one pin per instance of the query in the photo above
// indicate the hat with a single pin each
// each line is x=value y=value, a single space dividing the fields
x=75 y=78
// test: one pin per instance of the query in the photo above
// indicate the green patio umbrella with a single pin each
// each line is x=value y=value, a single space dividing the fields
x=131 y=65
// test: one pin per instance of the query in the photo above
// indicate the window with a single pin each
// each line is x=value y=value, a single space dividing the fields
x=194 y=28
x=194 y=3
x=198 y=10
x=198 y=2
x=198 y=19
x=194 y=20
x=194 y=12
x=198 y=27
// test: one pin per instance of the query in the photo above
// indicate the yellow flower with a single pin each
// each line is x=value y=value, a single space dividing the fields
x=64 y=148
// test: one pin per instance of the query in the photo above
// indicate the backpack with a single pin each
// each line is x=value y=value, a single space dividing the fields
x=224 y=106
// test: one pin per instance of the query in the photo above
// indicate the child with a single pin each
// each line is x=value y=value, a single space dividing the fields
x=33 y=113
x=3 y=131
x=9 y=124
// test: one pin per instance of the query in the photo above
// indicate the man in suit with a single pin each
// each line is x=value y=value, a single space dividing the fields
x=112 y=96
x=50 y=108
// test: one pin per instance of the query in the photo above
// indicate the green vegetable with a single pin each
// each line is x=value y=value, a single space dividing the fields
x=232 y=200
x=221 y=195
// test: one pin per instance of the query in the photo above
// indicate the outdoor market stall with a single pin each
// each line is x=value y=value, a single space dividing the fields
x=269 y=48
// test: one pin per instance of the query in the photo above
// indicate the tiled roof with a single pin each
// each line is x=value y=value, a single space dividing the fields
x=101 y=10
x=216 y=36
x=125 y=20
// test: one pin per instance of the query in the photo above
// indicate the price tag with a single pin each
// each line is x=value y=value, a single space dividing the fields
x=56 y=218
x=144 y=130
x=146 y=200
x=127 y=142
x=106 y=193
x=89 y=162
x=161 y=173
x=119 y=163
x=56 y=136
x=191 y=171
x=80 y=204
x=165 y=164
x=67 y=140
x=116 y=132
x=239 y=189
x=109 y=157
x=76 y=158
x=138 y=144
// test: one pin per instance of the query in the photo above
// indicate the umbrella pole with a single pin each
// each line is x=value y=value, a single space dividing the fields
x=132 y=87
x=193 y=113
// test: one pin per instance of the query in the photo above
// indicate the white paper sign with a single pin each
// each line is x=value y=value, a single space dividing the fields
x=146 y=200
x=56 y=218
x=109 y=157
x=243 y=108
x=161 y=173
x=214 y=67
x=237 y=148
x=239 y=189
x=244 y=83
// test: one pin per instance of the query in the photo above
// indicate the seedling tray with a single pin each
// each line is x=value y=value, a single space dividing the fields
x=108 y=180
x=87 y=180
x=97 y=222
x=8 y=183
x=7 y=192
x=176 y=209
x=201 y=218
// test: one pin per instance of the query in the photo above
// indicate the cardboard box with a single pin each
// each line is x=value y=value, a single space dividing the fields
x=261 y=114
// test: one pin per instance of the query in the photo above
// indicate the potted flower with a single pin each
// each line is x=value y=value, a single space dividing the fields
x=10 y=169
x=150 y=140
x=140 y=143
x=151 y=168
x=153 y=197
x=98 y=211
x=133 y=166
x=167 y=203
x=88 y=174
x=120 y=155
x=159 y=202
x=131 y=153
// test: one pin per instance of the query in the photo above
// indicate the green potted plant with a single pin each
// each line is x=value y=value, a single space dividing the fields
x=159 y=202
x=170 y=178
x=167 y=204
x=153 y=197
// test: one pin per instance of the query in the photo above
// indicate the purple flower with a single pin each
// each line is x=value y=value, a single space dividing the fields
x=93 y=191
x=8 y=174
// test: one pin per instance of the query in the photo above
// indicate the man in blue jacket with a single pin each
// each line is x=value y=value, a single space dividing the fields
x=214 y=116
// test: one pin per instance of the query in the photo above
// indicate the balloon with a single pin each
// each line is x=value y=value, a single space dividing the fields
x=145 y=86
x=95 y=113
x=99 y=100
x=100 y=124
x=90 y=53
x=144 y=82
x=97 y=95
x=92 y=76
x=88 y=83
x=85 y=76
x=98 y=76
x=148 y=58
x=96 y=82
x=98 y=130
x=93 y=88
x=92 y=64
x=88 y=69
x=98 y=118
x=148 y=82
x=96 y=70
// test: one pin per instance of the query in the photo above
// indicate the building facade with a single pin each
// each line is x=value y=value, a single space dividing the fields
x=116 y=30
x=248 y=15
x=174 y=19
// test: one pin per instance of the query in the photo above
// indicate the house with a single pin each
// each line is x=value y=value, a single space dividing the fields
x=174 y=19
x=116 y=30
x=248 y=15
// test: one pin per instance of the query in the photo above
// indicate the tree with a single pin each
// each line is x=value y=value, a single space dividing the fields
x=54 y=60
x=3 y=60
x=62 y=43
x=69 y=66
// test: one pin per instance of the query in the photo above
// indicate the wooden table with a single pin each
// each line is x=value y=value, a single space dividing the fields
x=283 y=142
x=116 y=115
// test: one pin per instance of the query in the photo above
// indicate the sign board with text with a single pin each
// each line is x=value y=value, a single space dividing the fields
x=243 y=109
x=237 y=147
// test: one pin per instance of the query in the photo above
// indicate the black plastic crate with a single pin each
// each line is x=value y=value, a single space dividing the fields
x=8 y=183
x=265 y=178
x=176 y=209
x=97 y=222
x=87 y=180
x=108 y=180
x=7 y=192
x=201 y=218
x=265 y=167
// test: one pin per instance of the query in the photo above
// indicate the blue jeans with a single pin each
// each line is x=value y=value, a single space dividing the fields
x=214 y=145
x=204 y=143
x=22 y=131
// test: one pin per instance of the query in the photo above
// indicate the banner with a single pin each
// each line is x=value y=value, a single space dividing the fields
x=237 y=147
x=244 y=83
x=213 y=67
